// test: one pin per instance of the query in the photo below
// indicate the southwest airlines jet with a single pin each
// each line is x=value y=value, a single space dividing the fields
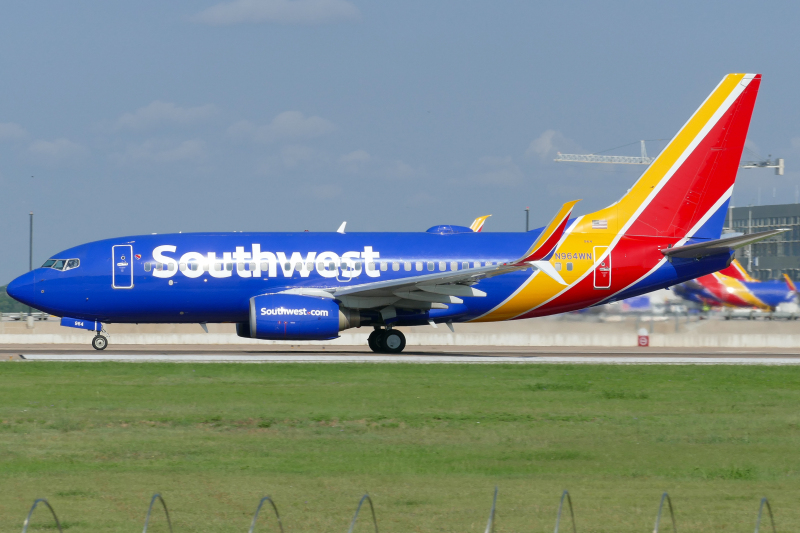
x=310 y=286
x=733 y=287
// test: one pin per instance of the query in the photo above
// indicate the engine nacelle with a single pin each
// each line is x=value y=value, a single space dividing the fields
x=296 y=317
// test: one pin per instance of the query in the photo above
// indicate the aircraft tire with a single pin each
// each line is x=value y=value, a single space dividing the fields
x=374 y=340
x=99 y=342
x=393 y=341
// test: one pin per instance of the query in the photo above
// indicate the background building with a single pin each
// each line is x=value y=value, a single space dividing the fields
x=771 y=258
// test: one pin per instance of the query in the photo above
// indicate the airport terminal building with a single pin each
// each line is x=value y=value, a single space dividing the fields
x=771 y=258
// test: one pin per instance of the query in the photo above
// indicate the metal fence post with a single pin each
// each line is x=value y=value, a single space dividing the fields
x=274 y=508
x=35 y=503
x=566 y=495
x=149 y=509
x=355 y=517
x=769 y=510
x=665 y=496
x=490 y=523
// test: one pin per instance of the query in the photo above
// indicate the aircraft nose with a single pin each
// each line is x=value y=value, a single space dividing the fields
x=22 y=289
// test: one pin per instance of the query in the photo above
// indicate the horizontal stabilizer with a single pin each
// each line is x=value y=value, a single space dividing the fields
x=718 y=246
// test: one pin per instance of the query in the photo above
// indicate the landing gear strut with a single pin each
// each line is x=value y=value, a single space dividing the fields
x=99 y=342
x=387 y=341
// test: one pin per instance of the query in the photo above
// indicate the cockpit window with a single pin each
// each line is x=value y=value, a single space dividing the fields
x=62 y=264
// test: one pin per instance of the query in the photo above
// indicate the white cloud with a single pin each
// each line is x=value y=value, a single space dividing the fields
x=289 y=125
x=160 y=151
x=399 y=170
x=326 y=191
x=355 y=161
x=12 y=132
x=549 y=143
x=57 y=151
x=160 y=113
x=358 y=156
x=242 y=129
x=279 y=11
x=293 y=155
x=498 y=171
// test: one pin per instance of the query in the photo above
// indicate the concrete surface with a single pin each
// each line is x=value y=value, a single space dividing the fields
x=550 y=331
x=421 y=354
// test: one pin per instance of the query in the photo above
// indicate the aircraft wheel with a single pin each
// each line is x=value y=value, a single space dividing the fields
x=99 y=342
x=393 y=341
x=374 y=340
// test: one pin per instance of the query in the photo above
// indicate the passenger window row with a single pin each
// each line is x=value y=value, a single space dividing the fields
x=431 y=266
x=372 y=266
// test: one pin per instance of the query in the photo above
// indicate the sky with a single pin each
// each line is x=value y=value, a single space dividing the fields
x=126 y=118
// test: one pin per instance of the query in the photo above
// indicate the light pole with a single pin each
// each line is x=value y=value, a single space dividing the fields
x=30 y=254
x=527 y=218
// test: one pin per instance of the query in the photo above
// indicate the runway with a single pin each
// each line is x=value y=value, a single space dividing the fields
x=414 y=355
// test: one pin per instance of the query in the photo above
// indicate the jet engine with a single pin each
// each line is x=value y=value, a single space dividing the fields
x=296 y=317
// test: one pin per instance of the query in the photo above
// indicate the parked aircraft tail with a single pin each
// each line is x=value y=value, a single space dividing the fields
x=790 y=283
x=736 y=271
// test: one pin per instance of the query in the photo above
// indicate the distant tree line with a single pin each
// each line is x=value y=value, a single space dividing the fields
x=9 y=304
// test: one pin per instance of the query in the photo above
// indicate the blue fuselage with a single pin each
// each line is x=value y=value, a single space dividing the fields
x=196 y=278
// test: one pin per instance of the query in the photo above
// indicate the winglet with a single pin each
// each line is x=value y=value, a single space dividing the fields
x=341 y=228
x=478 y=223
x=790 y=283
x=545 y=245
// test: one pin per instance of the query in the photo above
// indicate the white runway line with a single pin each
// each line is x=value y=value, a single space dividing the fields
x=415 y=359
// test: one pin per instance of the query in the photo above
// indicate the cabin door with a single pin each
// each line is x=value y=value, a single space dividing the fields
x=602 y=269
x=122 y=273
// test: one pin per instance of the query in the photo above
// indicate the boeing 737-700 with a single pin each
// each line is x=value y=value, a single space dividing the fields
x=310 y=286
x=733 y=287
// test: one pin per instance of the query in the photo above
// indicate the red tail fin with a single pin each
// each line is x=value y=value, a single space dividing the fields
x=684 y=192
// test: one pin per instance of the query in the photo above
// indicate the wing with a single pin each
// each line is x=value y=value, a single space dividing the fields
x=428 y=291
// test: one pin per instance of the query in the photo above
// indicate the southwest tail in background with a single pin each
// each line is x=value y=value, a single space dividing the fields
x=736 y=271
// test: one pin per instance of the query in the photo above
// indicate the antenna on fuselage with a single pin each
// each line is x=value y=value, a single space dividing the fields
x=341 y=228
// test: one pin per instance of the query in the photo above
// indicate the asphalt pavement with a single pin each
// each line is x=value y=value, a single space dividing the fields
x=413 y=354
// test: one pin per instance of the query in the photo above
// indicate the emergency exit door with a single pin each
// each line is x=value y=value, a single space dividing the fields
x=122 y=270
x=602 y=269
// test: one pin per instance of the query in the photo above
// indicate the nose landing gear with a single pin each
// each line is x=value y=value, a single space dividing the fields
x=387 y=341
x=99 y=342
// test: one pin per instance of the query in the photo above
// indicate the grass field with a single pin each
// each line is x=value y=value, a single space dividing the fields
x=429 y=443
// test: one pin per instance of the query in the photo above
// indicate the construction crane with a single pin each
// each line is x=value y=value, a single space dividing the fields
x=617 y=159
x=777 y=164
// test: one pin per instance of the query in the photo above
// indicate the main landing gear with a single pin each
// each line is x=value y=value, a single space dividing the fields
x=387 y=341
x=99 y=342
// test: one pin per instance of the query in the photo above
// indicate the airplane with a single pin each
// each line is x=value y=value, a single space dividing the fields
x=733 y=287
x=310 y=286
